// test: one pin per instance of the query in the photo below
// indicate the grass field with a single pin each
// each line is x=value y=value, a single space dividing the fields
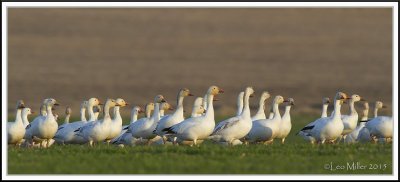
x=294 y=157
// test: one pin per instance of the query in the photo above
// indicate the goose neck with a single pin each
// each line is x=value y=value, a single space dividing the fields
x=66 y=121
x=275 y=109
x=162 y=112
x=83 y=116
x=117 y=114
x=210 y=108
x=25 y=118
x=49 y=112
x=324 y=111
x=240 y=105
x=375 y=112
x=156 y=114
x=134 y=117
x=246 y=107
x=92 y=116
x=336 y=110
x=352 y=109
x=18 y=118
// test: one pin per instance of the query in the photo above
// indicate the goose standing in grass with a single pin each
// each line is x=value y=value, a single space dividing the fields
x=143 y=129
x=261 y=113
x=265 y=130
x=330 y=128
x=363 y=136
x=25 y=112
x=305 y=132
x=286 y=122
x=197 y=128
x=16 y=129
x=66 y=133
x=236 y=127
x=68 y=112
x=380 y=127
x=97 y=131
x=46 y=128
x=353 y=136
x=174 y=118
x=116 y=124
x=350 y=121
x=125 y=138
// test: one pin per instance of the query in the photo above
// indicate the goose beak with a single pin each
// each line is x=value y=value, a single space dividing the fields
x=116 y=104
x=221 y=91
x=362 y=99
x=215 y=99
x=57 y=104
x=21 y=106
x=32 y=112
x=127 y=104
x=171 y=108
x=141 y=111
x=384 y=106
x=252 y=95
x=100 y=104
x=163 y=100
x=190 y=94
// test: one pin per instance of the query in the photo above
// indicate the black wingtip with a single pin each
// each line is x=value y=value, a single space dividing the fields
x=77 y=129
x=125 y=128
x=168 y=130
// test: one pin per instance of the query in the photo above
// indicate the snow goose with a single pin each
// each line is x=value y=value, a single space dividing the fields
x=116 y=124
x=353 y=136
x=260 y=113
x=305 y=132
x=286 y=124
x=25 y=112
x=350 y=121
x=68 y=112
x=125 y=137
x=16 y=129
x=98 y=131
x=380 y=127
x=198 y=109
x=330 y=128
x=175 y=117
x=144 y=128
x=66 y=133
x=45 y=127
x=197 y=128
x=236 y=127
x=265 y=130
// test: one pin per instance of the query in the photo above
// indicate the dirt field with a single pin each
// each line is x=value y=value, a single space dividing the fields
x=74 y=54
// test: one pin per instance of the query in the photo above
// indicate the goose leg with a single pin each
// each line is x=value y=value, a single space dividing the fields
x=283 y=140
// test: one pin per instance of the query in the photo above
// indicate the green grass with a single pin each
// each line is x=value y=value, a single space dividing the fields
x=294 y=157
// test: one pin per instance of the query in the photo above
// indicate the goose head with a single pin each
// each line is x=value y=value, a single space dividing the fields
x=51 y=102
x=326 y=101
x=137 y=110
x=84 y=104
x=93 y=102
x=20 y=104
x=68 y=111
x=214 y=90
x=55 y=116
x=289 y=102
x=355 y=98
x=149 y=106
x=111 y=103
x=279 y=99
x=121 y=102
x=27 y=111
x=166 y=106
x=184 y=92
x=265 y=95
x=341 y=97
x=379 y=105
x=159 y=99
x=200 y=110
x=249 y=91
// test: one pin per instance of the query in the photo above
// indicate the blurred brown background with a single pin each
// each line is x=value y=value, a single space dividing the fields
x=73 y=54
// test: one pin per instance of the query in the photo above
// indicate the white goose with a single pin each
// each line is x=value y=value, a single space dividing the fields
x=126 y=137
x=265 y=130
x=144 y=128
x=66 y=133
x=16 y=129
x=198 y=109
x=176 y=117
x=45 y=127
x=353 y=136
x=261 y=113
x=380 y=127
x=98 y=131
x=350 y=121
x=364 y=136
x=330 y=128
x=116 y=124
x=236 y=127
x=305 y=132
x=286 y=124
x=197 y=128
